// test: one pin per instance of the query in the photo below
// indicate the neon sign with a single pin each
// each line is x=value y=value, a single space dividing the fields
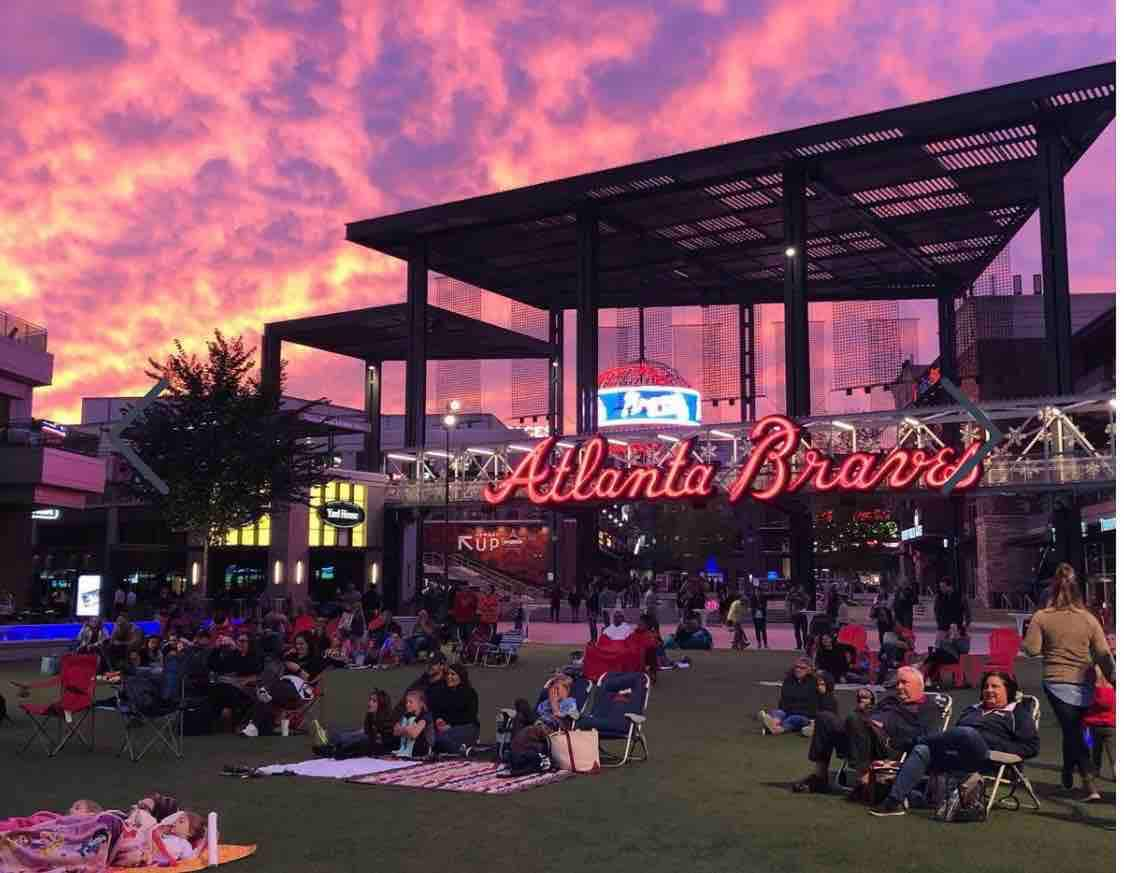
x=657 y=404
x=582 y=476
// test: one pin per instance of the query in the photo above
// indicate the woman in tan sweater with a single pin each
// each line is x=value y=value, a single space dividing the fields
x=1070 y=640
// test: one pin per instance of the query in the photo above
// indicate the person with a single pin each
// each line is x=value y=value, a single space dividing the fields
x=897 y=646
x=690 y=635
x=433 y=677
x=92 y=638
x=797 y=601
x=478 y=645
x=238 y=670
x=950 y=609
x=302 y=665
x=883 y=617
x=456 y=712
x=125 y=636
x=119 y=600
x=619 y=629
x=575 y=600
x=997 y=723
x=655 y=655
x=305 y=622
x=371 y=601
x=798 y=703
x=352 y=626
x=392 y=652
x=606 y=602
x=374 y=738
x=414 y=727
x=555 y=603
x=758 y=608
x=946 y=652
x=734 y=617
x=592 y=605
x=825 y=695
x=834 y=604
x=464 y=612
x=1070 y=640
x=833 y=656
x=423 y=638
x=652 y=602
x=488 y=609
x=904 y=601
x=1100 y=718
x=559 y=702
x=152 y=655
x=887 y=730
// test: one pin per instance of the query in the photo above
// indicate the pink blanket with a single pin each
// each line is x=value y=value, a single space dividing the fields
x=59 y=844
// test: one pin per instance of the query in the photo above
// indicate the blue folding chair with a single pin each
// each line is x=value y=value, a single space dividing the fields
x=618 y=712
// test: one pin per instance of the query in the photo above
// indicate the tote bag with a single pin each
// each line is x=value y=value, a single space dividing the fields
x=576 y=751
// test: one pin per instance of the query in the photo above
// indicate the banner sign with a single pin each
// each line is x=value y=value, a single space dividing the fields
x=660 y=404
x=587 y=475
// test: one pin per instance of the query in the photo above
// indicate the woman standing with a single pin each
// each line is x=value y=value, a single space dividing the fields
x=1070 y=640
x=758 y=608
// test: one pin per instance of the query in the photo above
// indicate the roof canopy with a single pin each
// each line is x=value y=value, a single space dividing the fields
x=901 y=204
x=380 y=333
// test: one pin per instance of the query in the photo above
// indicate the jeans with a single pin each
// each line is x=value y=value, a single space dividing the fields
x=800 y=626
x=1075 y=754
x=761 y=631
x=451 y=740
x=790 y=723
x=959 y=749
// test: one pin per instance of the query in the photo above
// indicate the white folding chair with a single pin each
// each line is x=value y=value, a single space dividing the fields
x=1004 y=761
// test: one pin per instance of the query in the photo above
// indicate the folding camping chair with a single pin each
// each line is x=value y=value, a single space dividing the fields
x=163 y=720
x=854 y=635
x=1004 y=760
x=619 y=711
x=1002 y=647
x=77 y=680
x=504 y=652
x=298 y=712
x=943 y=703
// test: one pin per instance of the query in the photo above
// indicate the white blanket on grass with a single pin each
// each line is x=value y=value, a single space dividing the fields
x=327 y=768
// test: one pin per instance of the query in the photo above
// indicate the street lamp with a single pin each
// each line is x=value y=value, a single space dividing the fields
x=450 y=422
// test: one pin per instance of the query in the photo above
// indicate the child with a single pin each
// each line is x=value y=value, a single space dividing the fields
x=85 y=807
x=393 y=651
x=1100 y=718
x=558 y=703
x=734 y=622
x=415 y=728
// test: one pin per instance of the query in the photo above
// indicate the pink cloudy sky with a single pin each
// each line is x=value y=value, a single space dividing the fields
x=169 y=169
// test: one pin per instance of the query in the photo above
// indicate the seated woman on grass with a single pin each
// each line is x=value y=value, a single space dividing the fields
x=376 y=737
x=799 y=700
x=423 y=638
x=833 y=656
x=415 y=728
x=456 y=712
x=690 y=635
x=996 y=724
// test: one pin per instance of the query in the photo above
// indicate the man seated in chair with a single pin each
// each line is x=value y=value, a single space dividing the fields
x=887 y=731
x=690 y=635
x=619 y=629
x=998 y=723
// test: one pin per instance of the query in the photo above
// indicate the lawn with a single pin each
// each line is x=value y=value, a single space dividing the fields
x=714 y=796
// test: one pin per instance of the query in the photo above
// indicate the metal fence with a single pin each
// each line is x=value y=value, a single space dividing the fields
x=21 y=331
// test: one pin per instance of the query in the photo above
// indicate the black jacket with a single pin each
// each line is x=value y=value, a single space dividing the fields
x=799 y=697
x=835 y=660
x=456 y=706
x=905 y=723
x=1009 y=730
x=948 y=608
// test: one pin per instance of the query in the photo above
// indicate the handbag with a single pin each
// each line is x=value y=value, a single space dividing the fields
x=576 y=751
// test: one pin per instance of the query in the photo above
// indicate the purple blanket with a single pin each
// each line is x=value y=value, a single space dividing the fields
x=68 y=844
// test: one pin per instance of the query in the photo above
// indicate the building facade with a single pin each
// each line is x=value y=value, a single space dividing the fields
x=456 y=380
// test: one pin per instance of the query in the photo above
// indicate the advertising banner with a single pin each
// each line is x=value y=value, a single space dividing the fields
x=89 y=596
x=517 y=548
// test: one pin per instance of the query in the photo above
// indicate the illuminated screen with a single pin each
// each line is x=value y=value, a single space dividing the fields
x=89 y=596
x=658 y=404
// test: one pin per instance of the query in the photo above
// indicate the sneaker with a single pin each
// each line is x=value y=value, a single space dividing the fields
x=808 y=729
x=544 y=763
x=811 y=785
x=319 y=734
x=250 y=730
x=888 y=807
x=770 y=724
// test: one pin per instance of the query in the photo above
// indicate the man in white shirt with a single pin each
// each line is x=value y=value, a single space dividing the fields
x=619 y=629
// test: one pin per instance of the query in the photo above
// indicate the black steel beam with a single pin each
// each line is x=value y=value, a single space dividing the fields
x=271 y=359
x=372 y=407
x=747 y=373
x=417 y=292
x=556 y=398
x=946 y=328
x=1055 y=262
x=798 y=385
x=587 y=307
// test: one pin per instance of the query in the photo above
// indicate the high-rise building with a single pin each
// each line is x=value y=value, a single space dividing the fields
x=456 y=380
x=529 y=378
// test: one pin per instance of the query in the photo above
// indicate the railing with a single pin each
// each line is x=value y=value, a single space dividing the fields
x=20 y=331
x=24 y=433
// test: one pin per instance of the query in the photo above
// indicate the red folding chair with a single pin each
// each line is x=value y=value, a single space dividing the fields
x=77 y=680
x=854 y=635
x=1002 y=648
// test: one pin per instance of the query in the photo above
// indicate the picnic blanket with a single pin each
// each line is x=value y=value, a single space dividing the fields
x=327 y=768
x=473 y=777
x=226 y=855
x=70 y=843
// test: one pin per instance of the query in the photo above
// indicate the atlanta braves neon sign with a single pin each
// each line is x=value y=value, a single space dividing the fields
x=579 y=477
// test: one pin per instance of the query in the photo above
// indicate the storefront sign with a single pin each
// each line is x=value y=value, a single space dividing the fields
x=912 y=533
x=584 y=476
x=659 y=404
x=340 y=513
x=51 y=514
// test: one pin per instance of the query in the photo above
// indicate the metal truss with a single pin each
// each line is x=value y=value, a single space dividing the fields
x=1048 y=443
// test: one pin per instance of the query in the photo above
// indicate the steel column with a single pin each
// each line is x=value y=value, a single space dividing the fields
x=417 y=292
x=747 y=374
x=800 y=552
x=587 y=322
x=946 y=330
x=640 y=321
x=555 y=397
x=798 y=382
x=270 y=360
x=372 y=406
x=1055 y=262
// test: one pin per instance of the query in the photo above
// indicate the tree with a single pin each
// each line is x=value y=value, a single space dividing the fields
x=222 y=443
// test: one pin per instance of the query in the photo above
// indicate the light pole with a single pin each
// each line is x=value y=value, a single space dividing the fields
x=450 y=423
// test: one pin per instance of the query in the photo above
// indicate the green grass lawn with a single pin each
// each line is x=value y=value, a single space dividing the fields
x=713 y=797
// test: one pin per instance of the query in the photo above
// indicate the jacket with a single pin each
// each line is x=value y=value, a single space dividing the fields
x=799 y=697
x=1069 y=641
x=1103 y=711
x=905 y=723
x=948 y=608
x=835 y=660
x=1010 y=729
x=457 y=706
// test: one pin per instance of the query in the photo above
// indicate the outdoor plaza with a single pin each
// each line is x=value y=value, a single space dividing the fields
x=904 y=204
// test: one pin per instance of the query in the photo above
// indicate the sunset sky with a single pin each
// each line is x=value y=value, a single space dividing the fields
x=169 y=169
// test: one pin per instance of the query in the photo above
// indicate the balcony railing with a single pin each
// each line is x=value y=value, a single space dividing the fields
x=37 y=433
x=20 y=331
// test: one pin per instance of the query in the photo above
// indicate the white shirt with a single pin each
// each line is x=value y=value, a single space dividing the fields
x=619 y=631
